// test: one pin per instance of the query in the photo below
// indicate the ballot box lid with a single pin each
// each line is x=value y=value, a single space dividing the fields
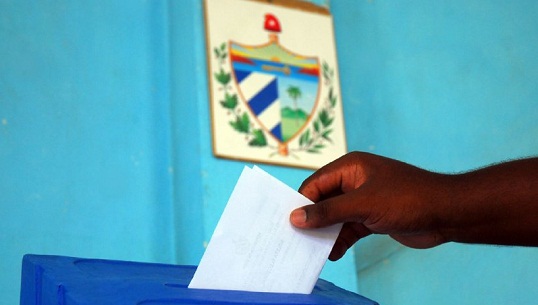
x=61 y=280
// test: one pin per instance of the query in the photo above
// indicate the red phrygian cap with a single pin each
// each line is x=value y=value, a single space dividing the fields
x=271 y=23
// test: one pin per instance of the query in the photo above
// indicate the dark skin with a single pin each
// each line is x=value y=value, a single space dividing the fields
x=371 y=194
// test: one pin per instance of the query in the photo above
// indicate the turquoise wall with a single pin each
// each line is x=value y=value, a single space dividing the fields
x=84 y=133
x=105 y=146
x=449 y=86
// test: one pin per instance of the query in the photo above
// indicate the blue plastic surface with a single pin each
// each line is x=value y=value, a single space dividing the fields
x=60 y=280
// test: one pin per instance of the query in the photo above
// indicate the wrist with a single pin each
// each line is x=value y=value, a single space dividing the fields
x=446 y=211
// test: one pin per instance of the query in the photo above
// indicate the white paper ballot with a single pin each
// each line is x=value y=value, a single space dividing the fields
x=254 y=246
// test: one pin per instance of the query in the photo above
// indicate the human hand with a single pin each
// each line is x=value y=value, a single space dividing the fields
x=371 y=194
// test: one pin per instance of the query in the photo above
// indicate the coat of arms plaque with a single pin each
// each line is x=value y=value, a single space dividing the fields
x=274 y=84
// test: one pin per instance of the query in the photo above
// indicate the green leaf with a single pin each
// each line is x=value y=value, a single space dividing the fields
x=333 y=102
x=259 y=138
x=332 y=98
x=312 y=150
x=236 y=125
x=217 y=53
x=325 y=119
x=327 y=71
x=316 y=126
x=223 y=46
x=241 y=123
x=326 y=134
x=245 y=120
x=230 y=101
x=305 y=138
x=223 y=77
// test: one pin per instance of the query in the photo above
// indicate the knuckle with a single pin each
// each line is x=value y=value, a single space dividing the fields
x=322 y=213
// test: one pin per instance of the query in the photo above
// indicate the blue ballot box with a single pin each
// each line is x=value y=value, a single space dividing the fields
x=60 y=280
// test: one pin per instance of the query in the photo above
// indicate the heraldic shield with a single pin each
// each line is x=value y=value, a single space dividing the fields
x=279 y=87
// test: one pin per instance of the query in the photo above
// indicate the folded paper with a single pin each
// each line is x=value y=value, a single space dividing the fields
x=254 y=246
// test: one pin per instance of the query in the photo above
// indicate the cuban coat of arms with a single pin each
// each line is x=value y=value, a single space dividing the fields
x=274 y=84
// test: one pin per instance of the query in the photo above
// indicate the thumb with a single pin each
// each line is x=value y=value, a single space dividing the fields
x=324 y=213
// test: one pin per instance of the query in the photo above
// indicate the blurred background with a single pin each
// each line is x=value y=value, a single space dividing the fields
x=105 y=145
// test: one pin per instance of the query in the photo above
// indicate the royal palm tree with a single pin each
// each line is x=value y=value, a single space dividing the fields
x=295 y=93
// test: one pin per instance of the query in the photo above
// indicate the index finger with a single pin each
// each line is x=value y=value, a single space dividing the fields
x=340 y=176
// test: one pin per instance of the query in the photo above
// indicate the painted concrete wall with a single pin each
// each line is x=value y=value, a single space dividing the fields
x=84 y=133
x=449 y=86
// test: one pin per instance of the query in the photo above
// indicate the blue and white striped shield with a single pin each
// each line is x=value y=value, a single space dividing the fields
x=279 y=87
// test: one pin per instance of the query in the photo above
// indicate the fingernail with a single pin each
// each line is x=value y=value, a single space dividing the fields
x=298 y=216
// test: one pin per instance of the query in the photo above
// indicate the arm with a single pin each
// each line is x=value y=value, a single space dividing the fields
x=498 y=204
x=421 y=209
